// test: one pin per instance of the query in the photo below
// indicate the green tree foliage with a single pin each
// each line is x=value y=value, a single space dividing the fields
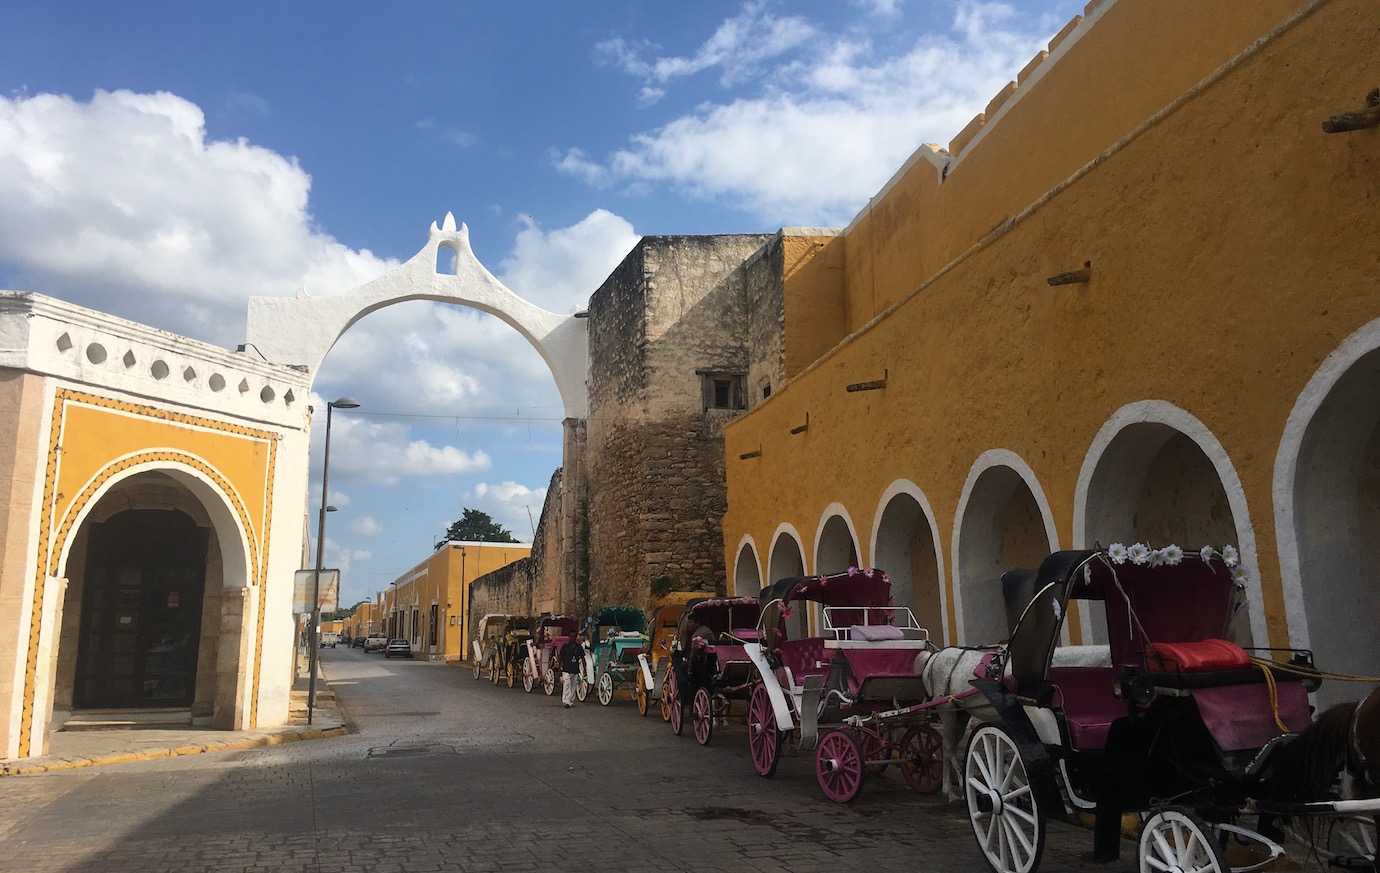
x=477 y=526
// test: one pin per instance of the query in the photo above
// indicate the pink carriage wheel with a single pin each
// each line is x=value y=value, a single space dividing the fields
x=764 y=739
x=922 y=759
x=704 y=717
x=839 y=766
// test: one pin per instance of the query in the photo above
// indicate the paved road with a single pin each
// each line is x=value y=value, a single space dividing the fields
x=449 y=774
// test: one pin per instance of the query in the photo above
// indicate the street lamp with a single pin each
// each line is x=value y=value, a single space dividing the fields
x=339 y=403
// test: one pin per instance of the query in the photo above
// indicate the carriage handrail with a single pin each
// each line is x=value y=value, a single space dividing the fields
x=893 y=613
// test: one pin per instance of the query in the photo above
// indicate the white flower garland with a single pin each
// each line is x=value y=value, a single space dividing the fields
x=1172 y=555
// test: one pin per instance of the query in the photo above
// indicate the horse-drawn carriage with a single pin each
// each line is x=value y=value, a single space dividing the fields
x=488 y=637
x=710 y=669
x=616 y=642
x=510 y=650
x=841 y=693
x=655 y=661
x=1168 y=720
x=542 y=665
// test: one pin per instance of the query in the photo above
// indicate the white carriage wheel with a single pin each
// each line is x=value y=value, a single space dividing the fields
x=1006 y=817
x=528 y=680
x=605 y=689
x=548 y=680
x=477 y=668
x=1175 y=840
x=581 y=687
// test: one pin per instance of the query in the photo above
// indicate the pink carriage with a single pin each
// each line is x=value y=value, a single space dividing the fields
x=841 y=692
x=710 y=672
x=542 y=665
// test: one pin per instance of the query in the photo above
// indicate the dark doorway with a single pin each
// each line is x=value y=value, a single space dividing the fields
x=141 y=611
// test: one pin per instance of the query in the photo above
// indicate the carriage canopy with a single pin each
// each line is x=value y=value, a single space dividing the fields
x=735 y=615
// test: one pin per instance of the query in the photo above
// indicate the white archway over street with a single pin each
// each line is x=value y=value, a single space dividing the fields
x=905 y=543
x=1327 y=512
x=302 y=330
x=1155 y=474
x=1003 y=523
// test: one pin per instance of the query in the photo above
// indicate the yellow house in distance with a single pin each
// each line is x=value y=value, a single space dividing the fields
x=427 y=605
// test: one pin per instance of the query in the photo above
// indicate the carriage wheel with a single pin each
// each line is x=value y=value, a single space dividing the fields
x=528 y=680
x=677 y=707
x=1352 y=837
x=548 y=681
x=495 y=674
x=875 y=748
x=1176 y=839
x=512 y=675
x=704 y=717
x=764 y=738
x=1006 y=817
x=922 y=759
x=581 y=687
x=668 y=680
x=606 y=690
x=839 y=765
x=478 y=669
x=644 y=697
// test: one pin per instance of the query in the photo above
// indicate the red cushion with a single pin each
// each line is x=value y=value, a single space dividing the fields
x=805 y=657
x=1196 y=657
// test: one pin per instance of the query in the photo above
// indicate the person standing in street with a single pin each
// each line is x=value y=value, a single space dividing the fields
x=572 y=657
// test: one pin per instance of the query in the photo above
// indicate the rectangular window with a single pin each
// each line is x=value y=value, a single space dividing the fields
x=431 y=639
x=722 y=390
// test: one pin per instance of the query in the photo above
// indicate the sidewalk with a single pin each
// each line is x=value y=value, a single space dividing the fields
x=89 y=748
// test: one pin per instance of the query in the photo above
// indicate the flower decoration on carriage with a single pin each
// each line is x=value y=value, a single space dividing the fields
x=1138 y=553
x=1117 y=552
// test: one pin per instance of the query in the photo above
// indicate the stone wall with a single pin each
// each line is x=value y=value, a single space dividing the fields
x=676 y=308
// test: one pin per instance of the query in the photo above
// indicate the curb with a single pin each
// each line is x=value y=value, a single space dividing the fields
x=73 y=763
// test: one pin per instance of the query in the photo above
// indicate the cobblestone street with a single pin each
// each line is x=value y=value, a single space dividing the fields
x=446 y=773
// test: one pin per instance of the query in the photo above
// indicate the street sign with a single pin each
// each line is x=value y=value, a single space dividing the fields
x=329 y=601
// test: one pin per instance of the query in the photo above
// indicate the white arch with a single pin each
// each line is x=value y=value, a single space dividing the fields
x=786 y=529
x=1165 y=413
x=747 y=542
x=990 y=459
x=830 y=511
x=910 y=489
x=302 y=330
x=1310 y=400
x=230 y=533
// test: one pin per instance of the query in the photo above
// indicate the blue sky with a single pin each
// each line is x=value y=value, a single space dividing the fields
x=163 y=161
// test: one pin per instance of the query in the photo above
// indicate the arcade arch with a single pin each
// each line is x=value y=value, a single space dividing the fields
x=1003 y=523
x=905 y=543
x=747 y=572
x=1327 y=512
x=1154 y=474
x=787 y=559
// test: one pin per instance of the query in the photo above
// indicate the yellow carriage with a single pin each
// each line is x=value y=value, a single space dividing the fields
x=656 y=659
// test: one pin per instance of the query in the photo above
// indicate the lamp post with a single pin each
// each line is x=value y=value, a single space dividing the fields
x=339 y=403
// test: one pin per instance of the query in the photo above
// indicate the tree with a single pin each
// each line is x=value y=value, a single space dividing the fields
x=477 y=526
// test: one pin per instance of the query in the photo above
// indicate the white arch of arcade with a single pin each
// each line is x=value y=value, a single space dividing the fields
x=302 y=330
x=1327 y=512
x=905 y=543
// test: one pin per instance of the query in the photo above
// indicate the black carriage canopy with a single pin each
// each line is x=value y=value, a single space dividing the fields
x=1187 y=602
x=559 y=625
x=863 y=588
x=721 y=615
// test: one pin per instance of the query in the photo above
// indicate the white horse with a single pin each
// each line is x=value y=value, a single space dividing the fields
x=947 y=673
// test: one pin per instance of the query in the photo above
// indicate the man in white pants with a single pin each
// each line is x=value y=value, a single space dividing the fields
x=572 y=658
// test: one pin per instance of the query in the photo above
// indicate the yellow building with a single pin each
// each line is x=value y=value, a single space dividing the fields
x=428 y=605
x=1203 y=368
x=363 y=622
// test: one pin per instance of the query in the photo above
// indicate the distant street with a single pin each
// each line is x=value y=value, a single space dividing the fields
x=449 y=774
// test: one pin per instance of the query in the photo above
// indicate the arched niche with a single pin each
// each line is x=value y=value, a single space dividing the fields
x=1003 y=523
x=905 y=543
x=1327 y=505
x=1155 y=474
x=787 y=559
x=747 y=572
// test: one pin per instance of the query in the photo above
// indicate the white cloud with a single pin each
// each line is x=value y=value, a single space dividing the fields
x=737 y=49
x=338 y=499
x=560 y=268
x=123 y=203
x=832 y=126
x=383 y=451
x=509 y=502
x=575 y=162
x=881 y=8
x=366 y=526
x=343 y=559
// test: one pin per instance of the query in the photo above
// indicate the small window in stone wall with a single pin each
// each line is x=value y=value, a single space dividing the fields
x=722 y=390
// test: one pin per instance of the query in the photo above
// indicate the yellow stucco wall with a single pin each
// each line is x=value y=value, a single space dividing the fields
x=1232 y=252
x=444 y=578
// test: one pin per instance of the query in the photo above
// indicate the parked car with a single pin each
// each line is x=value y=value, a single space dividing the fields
x=398 y=649
x=375 y=643
x=329 y=639
x=358 y=643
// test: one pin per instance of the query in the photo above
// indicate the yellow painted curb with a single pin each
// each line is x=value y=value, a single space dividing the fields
x=76 y=761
